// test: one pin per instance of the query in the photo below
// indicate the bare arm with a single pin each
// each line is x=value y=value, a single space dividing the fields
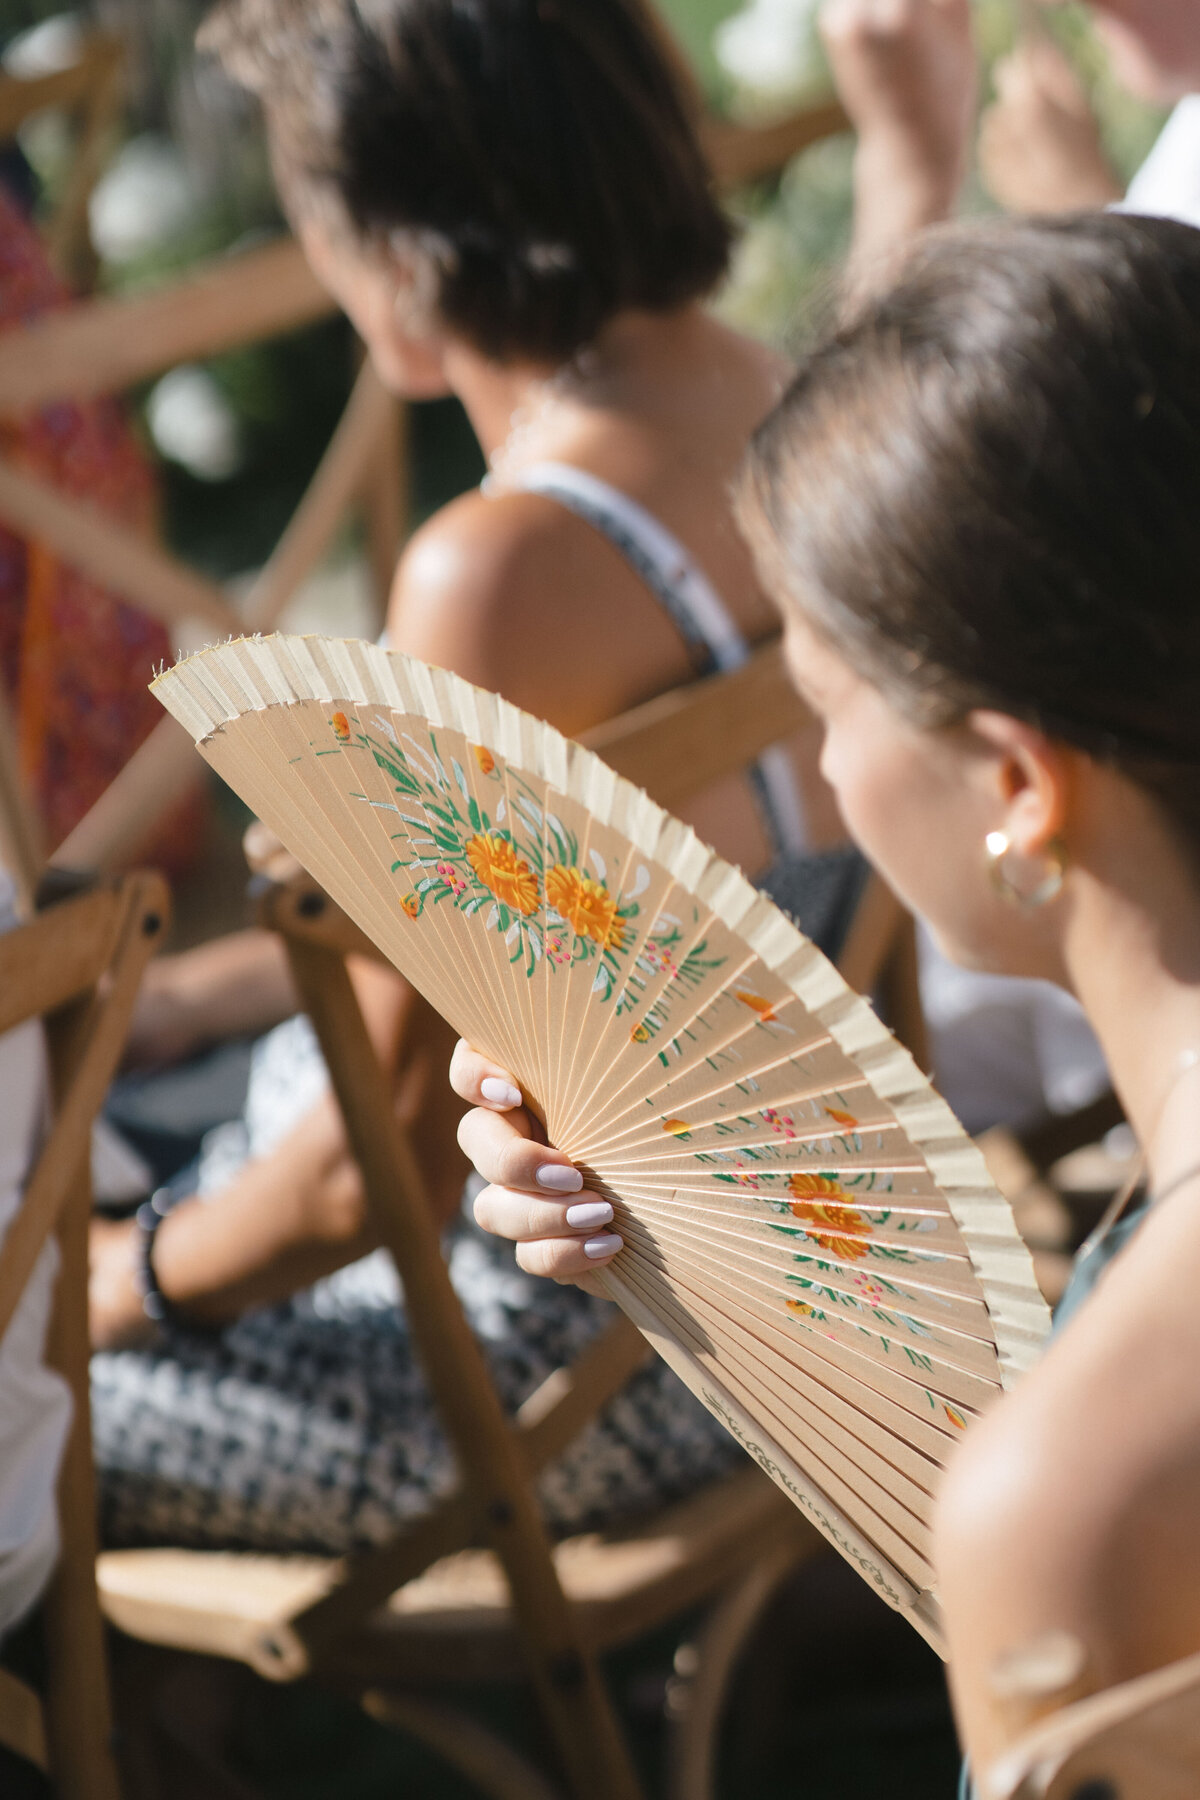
x=235 y=986
x=906 y=73
x=300 y=1212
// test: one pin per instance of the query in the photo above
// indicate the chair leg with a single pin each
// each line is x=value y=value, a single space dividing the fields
x=468 y=1746
x=697 y=1697
x=78 y=1709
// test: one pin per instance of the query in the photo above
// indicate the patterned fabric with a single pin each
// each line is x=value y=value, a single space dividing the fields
x=308 y=1426
x=75 y=662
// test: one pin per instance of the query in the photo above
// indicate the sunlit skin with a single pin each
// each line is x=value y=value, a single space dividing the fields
x=1072 y=1507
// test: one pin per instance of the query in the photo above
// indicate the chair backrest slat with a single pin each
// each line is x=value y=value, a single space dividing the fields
x=678 y=743
x=49 y=962
x=97 y=1048
x=106 y=345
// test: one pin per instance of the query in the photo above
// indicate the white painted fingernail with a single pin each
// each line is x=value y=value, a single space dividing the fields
x=561 y=1180
x=500 y=1093
x=608 y=1245
x=589 y=1215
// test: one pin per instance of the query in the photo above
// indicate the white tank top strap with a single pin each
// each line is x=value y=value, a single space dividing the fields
x=693 y=603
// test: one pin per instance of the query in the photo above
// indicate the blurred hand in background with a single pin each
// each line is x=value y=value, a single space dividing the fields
x=1039 y=142
x=907 y=73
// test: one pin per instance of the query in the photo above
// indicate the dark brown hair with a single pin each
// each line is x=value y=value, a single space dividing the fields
x=985 y=489
x=536 y=154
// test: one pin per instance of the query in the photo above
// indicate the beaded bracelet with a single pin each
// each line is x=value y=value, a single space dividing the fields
x=147 y=1220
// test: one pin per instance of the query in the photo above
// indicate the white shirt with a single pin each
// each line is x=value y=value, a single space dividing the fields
x=1005 y=1051
x=1167 y=186
x=35 y=1403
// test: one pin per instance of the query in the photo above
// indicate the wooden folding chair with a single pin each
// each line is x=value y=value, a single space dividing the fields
x=1138 y=1741
x=431 y=1605
x=77 y=966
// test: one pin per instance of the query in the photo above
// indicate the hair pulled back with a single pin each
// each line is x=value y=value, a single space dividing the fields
x=984 y=490
x=536 y=155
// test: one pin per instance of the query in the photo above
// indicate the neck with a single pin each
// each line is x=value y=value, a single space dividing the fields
x=630 y=356
x=494 y=393
x=1132 y=954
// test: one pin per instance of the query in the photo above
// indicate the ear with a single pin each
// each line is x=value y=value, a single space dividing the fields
x=1032 y=776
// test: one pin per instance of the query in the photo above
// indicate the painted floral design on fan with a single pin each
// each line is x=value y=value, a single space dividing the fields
x=666 y=950
x=586 y=905
x=514 y=862
x=819 y=1203
x=499 y=869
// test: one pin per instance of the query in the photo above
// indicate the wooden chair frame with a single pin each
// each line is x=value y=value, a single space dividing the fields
x=77 y=966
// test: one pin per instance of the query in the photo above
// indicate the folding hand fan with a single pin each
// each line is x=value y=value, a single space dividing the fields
x=812 y=1242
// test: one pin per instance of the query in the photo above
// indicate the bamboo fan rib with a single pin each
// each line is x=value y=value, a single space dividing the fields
x=812 y=1241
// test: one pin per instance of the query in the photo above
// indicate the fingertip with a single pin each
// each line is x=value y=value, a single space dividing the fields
x=604 y=1246
x=501 y=1094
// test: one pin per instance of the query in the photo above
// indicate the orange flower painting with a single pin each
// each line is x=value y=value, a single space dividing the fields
x=341 y=727
x=954 y=1416
x=411 y=905
x=587 y=906
x=817 y=1204
x=484 y=758
x=677 y=1127
x=757 y=1004
x=846 y=1119
x=640 y=1034
x=503 y=873
x=802 y=1309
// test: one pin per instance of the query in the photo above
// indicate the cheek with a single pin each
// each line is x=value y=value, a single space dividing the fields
x=923 y=828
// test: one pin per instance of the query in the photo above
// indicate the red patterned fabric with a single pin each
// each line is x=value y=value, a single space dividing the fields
x=74 y=660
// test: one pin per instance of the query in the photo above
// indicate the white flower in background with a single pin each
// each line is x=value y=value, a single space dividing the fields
x=192 y=423
x=768 y=47
x=46 y=48
x=145 y=198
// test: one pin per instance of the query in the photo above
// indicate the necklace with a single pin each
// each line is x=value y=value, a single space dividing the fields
x=1120 y=1200
x=1187 y=1062
x=526 y=419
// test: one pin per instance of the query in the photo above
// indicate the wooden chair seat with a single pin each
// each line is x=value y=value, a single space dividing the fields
x=455 y=1620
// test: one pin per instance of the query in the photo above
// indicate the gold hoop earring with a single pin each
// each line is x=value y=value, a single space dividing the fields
x=999 y=847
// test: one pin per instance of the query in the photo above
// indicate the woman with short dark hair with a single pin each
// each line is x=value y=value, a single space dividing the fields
x=508 y=198
x=977 y=508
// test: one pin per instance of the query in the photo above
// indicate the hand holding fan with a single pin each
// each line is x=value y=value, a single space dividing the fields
x=812 y=1242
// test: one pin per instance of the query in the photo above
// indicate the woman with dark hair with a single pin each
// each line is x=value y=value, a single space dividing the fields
x=977 y=508
x=508 y=198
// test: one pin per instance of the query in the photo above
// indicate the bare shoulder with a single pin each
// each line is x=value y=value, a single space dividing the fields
x=499 y=589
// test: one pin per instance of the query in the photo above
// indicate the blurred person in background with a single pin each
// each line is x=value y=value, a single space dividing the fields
x=75 y=662
x=907 y=72
x=508 y=199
